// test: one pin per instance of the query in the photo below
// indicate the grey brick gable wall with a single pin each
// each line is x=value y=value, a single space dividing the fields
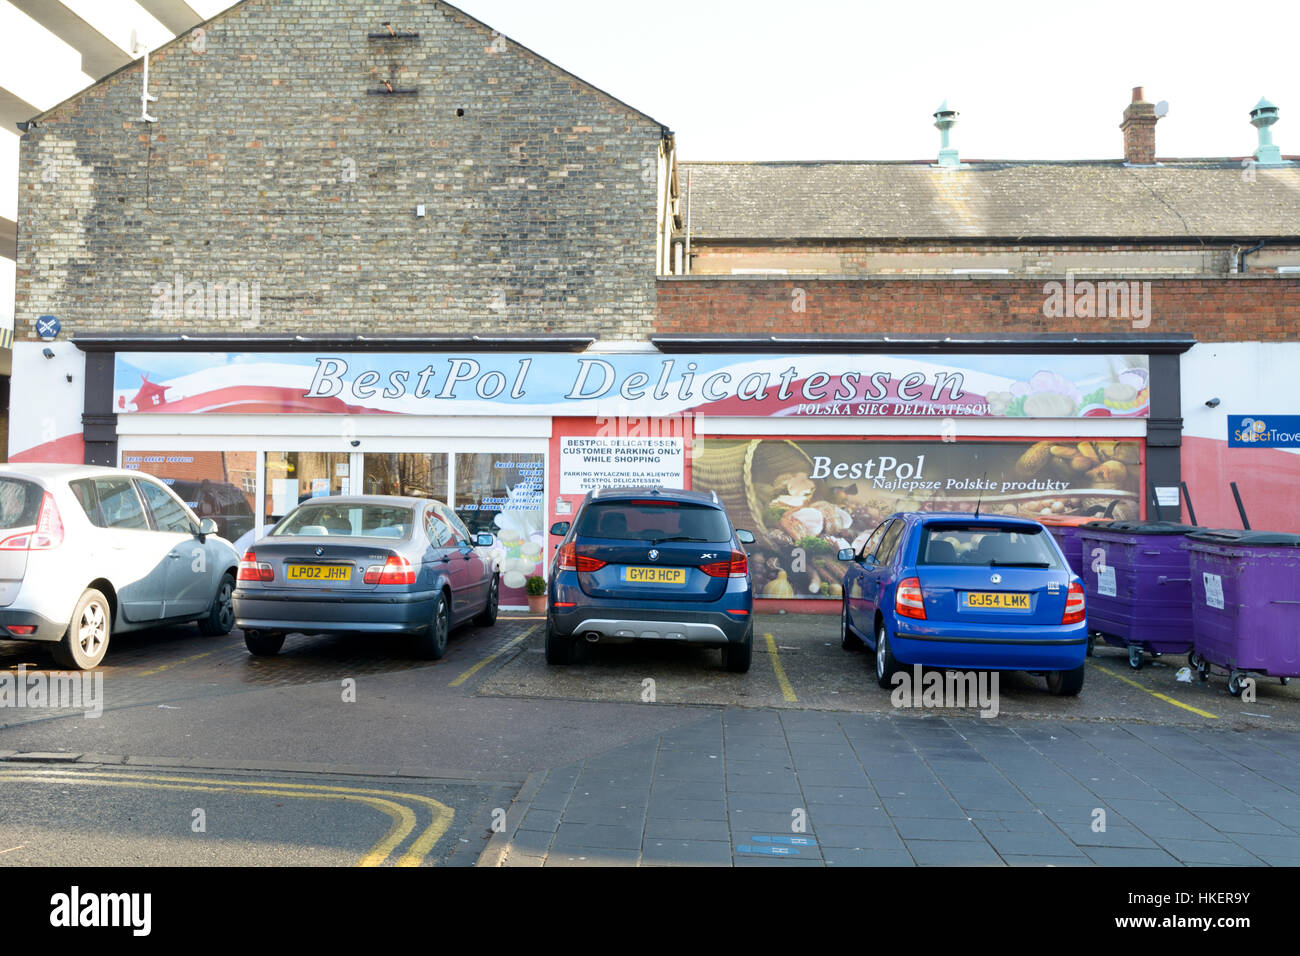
x=275 y=195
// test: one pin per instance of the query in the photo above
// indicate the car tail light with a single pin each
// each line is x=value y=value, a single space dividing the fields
x=250 y=569
x=396 y=570
x=1074 y=605
x=737 y=566
x=47 y=534
x=570 y=560
x=908 y=599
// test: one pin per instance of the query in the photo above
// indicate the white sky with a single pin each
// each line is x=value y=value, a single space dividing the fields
x=859 y=79
x=846 y=79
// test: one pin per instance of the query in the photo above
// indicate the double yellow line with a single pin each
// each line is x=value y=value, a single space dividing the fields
x=404 y=818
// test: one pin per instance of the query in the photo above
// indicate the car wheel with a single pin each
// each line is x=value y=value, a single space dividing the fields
x=221 y=616
x=262 y=644
x=432 y=644
x=488 y=616
x=887 y=665
x=1065 y=683
x=559 y=647
x=737 y=657
x=848 y=640
x=86 y=641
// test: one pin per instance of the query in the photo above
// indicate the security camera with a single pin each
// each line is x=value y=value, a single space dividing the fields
x=1212 y=403
x=47 y=352
x=356 y=443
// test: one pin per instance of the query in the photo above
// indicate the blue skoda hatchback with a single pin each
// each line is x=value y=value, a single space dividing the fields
x=651 y=564
x=965 y=592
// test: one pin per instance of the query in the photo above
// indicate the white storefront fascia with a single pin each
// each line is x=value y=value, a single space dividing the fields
x=951 y=429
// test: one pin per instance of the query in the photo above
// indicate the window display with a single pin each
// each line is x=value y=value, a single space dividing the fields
x=501 y=493
x=215 y=484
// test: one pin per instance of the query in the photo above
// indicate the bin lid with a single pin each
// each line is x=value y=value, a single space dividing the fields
x=1143 y=527
x=1071 y=521
x=1247 y=539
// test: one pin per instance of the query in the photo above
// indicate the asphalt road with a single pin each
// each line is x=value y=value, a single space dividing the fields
x=272 y=750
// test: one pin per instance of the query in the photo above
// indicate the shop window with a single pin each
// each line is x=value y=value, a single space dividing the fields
x=408 y=475
x=293 y=477
x=501 y=493
x=220 y=485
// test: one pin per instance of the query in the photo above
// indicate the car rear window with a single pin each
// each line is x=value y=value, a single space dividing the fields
x=651 y=520
x=987 y=545
x=20 y=503
x=348 y=521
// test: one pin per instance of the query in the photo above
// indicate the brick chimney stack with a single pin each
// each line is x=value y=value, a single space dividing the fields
x=1139 y=128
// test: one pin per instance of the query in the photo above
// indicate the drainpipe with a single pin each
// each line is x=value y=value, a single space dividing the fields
x=688 y=221
x=1241 y=259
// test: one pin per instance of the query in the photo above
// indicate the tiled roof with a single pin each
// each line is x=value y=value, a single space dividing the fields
x=1003 y=200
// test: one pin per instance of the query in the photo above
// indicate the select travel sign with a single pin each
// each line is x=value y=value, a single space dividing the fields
x=1264 y=431
x=981 y=386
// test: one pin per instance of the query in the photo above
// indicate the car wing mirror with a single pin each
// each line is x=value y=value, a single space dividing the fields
x=560 y=528
x=206 y=527
x=846 y=554
x=744 y=537
x=485 y=540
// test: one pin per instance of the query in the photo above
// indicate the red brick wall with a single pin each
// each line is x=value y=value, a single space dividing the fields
x=1212 y=309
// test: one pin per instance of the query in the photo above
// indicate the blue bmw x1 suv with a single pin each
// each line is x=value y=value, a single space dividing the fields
x=651 y=564
x=961 y=591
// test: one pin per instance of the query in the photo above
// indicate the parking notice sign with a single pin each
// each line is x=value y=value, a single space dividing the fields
x=1213 y=590
x=589 y=464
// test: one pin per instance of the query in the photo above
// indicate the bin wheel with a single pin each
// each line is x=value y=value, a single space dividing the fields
x=1135 y=656
x=1091 y=640
x=1285 y=680
x=1234 y=683
x=1193 y=661
x=1203 y=670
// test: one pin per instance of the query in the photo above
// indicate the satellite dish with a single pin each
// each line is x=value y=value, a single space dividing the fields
x=1162 y=108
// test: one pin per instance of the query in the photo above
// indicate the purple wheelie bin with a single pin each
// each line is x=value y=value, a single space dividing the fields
x=1066 y=529
x=1246 y=589
x=1137 y=581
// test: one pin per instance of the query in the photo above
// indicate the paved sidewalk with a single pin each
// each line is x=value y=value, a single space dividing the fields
x=782 y=788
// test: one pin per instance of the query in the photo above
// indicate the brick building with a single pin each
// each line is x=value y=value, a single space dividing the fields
x=376 y=246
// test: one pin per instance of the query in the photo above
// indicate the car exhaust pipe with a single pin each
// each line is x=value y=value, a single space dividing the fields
x=592 y=637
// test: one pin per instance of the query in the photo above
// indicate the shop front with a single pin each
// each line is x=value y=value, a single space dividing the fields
x=809 y=451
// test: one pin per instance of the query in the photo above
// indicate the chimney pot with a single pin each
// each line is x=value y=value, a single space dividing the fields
x=1139 y=127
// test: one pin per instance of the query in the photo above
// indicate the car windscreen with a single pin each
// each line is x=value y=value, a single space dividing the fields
x=20 y=503
x=651 y=520
x=336 y=520
x=987 y=545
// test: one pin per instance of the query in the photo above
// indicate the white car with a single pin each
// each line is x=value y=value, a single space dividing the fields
x=88 y=552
